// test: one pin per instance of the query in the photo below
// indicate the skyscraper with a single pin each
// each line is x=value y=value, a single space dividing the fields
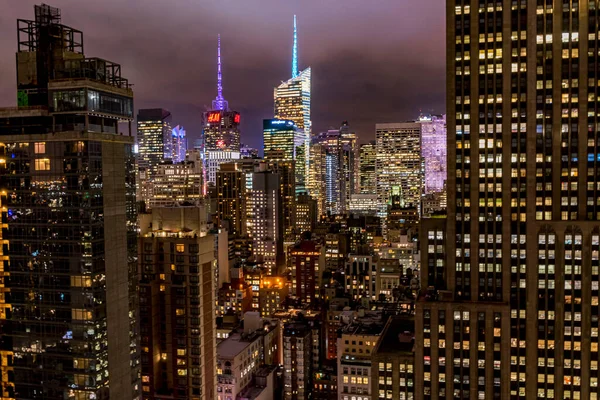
x=283 y=139
x=221 y=129
x=292 y=102
x=368 y=157
x=179 y=147
x=516 y=315
x=68 y=315
x=265 y=219
x=399 y=164
x=434 y=151
x=154 y=136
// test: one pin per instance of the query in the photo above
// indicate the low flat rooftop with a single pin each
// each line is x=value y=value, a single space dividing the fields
x=233 y=345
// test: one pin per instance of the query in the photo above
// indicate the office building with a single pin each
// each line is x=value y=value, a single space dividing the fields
x=264 y=218
x=68 y=315
x=179 y=147
x=398 y=163
x=520 y=280
x=283 y=140
x=363 y=204
x=155 y=140
x=350 y=163
x=177 y=304
x=434 y=151
x=231 y=199
x=292 y=102
x=306 y=263
x=278 y=164
x=306 y=214
x=368 y=159
x=297 y=361
x=221 y=131
x=176 y=183
x=317 y=177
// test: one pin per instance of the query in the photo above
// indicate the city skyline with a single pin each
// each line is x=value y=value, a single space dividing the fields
x=410 y=81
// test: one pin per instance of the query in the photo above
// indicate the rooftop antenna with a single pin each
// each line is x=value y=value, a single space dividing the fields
x=219 y=103
x=295 y=51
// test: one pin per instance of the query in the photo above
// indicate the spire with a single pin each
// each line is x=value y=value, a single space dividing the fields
x=295 y=51
x=219 y=103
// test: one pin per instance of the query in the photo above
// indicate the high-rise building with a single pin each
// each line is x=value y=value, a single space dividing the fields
x=306 y=263
x=335 y=161
x=265 y=220
x=154 y=137
x=179 y=147
x=317 y=173
x=176 y=183
x=350 y=163
x=177 y=304
x=297 y=361
x=393 y=360
x=68 y=315
x=292 y=102
x=434 y=151
x=368 y=159
x=221 y=130
x=360 y=277
x=399 y=163
x=520 y=279
x=231 y=199
x=282 y=140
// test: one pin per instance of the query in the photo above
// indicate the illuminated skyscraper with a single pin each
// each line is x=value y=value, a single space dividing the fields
x=517 y=264
x=154 y=137
x=264 y=217
x=399 y=164
x=179 y=146
x=221 y=130
x=292 y=102
x=68 y=290
x=434 y=151
x=285 y=137
x=368 y=158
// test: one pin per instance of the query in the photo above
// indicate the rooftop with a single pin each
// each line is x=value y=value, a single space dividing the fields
x=234 y=345
x=397 y=337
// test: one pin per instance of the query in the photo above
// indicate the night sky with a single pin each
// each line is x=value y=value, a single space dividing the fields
x=372 y=60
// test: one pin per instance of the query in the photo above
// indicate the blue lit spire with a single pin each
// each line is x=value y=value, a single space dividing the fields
x=219 y=103
x=295 y=51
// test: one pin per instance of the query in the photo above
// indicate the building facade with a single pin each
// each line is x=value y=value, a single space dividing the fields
x=399 y=164
x=292 y=102
x=221 y=132
x=177 y=305
x=368 y=159
x=434 y=151
x=154 y=137
x=517 y=310
x=68 y=307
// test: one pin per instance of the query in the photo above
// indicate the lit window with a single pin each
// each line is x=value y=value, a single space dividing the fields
x=180 y=248
x=40 y=148
x=42 y=164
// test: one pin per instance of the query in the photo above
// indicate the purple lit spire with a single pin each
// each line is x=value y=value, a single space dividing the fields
x=219 y=103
